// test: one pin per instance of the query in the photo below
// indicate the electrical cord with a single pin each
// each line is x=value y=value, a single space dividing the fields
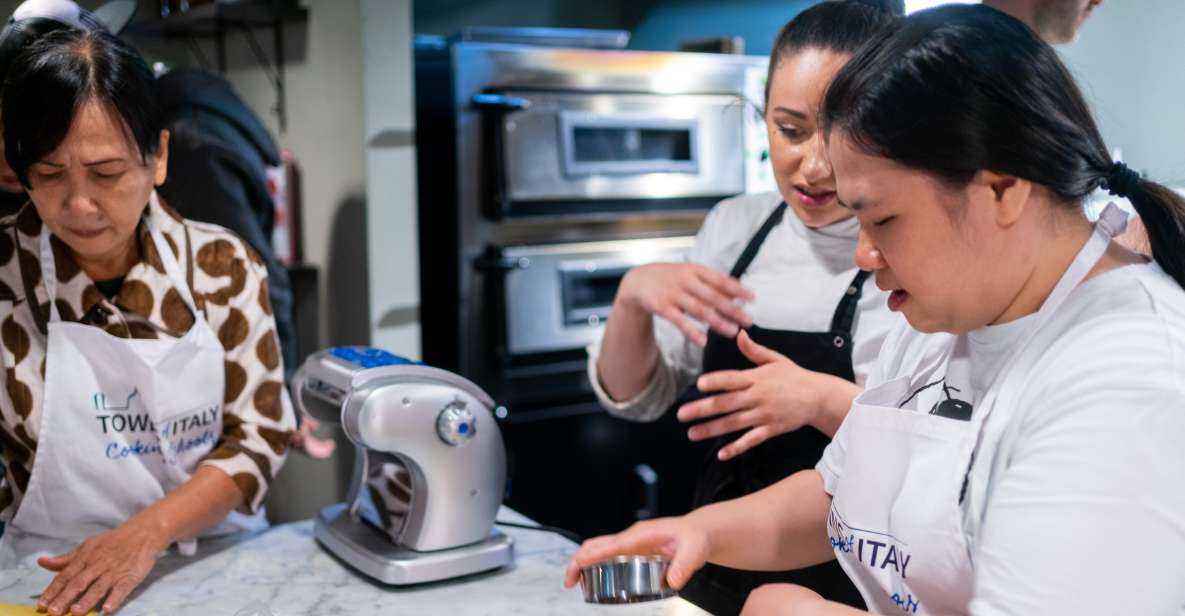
x=567 y=534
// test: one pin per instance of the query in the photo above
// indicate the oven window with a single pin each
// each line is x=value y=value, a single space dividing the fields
x=626 y=144
x=588 y=293
x=605 y=144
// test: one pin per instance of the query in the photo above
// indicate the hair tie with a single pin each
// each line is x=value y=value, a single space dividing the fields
x=1121 y=181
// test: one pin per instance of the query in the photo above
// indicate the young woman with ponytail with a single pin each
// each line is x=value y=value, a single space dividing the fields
x=1020 y=449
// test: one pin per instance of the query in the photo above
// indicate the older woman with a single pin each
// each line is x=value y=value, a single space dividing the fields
x=143 y=402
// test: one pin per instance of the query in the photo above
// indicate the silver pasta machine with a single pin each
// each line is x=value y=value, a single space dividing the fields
x=429 y=469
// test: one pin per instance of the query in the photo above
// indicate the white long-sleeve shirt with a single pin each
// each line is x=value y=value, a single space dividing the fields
x=798 y=278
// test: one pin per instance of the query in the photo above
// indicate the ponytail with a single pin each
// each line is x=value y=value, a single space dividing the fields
x=1163 y=214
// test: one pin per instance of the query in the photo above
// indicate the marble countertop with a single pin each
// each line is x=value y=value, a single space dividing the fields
x=284 y=569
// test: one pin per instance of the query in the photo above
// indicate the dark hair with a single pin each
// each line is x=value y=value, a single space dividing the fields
x=51 y=80
x=958 y=89
x=841 y=26
x=18 y=35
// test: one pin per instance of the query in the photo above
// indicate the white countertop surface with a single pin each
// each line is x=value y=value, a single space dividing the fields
x=288 y=571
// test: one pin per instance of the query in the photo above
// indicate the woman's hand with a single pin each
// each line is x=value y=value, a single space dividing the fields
x=682 y=543
x=108 y=565
x=683 y=292
x=776 y=397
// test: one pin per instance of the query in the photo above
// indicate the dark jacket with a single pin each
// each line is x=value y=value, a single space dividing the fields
x=218 y=153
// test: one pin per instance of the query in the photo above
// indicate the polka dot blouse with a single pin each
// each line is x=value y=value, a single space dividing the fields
x=229 y=285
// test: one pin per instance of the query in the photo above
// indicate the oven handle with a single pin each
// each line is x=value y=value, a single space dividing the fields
x=499 y=103
x=494 y=107
x=491 y=262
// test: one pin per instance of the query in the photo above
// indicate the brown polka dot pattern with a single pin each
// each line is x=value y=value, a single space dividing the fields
x=249 y=486
x=91 y=296
x=19 y=393
x=261 y=462
x=118 y=329
x=232 y=428
x=238 y=281
x=215 y=258
x=152 y=256
x=137 y=297
x=142 y=331
x=29 y=222
x=66 y=267
x=24 y=437
x=19 y=474
x=65 y=310
x=254 y=256
x=265 y=300
x=7 y=247
x=234 y=329
x=175 y=313
x=276 y=439
x=267 y=400
x=230 y=286
x=236 y=380
x=268 y=351
x=16 y=340
x=12 y=447
x=30 y=267
x=222 y=453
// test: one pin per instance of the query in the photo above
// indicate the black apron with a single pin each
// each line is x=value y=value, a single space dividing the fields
x=721 y=590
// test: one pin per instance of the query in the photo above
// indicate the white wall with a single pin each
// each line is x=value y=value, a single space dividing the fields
x=389 y=129
x=1128 y=60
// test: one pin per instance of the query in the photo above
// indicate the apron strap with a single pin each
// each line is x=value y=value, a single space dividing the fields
x=845 y=312
x=1110 y=223
x=758 y=239
x=49 y=274
x=172 y=268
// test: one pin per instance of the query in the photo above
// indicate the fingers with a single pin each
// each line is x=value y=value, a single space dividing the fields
x=747 y=441
x=92 y=597
x=67 y=573
x=724 y=306
x=74 y=582
x=685 y=562
x=679 y=320
x=724 y=283
x=724 y=380
x=704 y=313
x=714 y=405
x=641 y=539
x=725 y=425
x=119 y=593
x=56 y=563
x=756 y=353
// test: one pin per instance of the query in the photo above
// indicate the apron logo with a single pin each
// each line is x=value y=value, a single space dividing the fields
x=872 y=549
x=168 y=438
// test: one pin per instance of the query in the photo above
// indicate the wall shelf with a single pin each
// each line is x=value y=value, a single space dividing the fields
x=215 y=20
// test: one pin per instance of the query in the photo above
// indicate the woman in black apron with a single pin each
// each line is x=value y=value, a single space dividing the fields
x=806 y=54
x=721 y=590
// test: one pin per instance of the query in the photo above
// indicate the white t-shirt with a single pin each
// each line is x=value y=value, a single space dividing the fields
x=798 y=278
x=1076 y=496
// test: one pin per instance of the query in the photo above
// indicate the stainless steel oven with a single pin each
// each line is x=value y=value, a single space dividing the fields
x=544 y=174
x=558 y=296
x=585 y=147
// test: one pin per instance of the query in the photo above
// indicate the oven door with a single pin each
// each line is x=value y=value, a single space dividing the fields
x=566 y=153
x=558 y=296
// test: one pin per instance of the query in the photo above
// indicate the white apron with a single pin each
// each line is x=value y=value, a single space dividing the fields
x=123 y=423
x=895 y=522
